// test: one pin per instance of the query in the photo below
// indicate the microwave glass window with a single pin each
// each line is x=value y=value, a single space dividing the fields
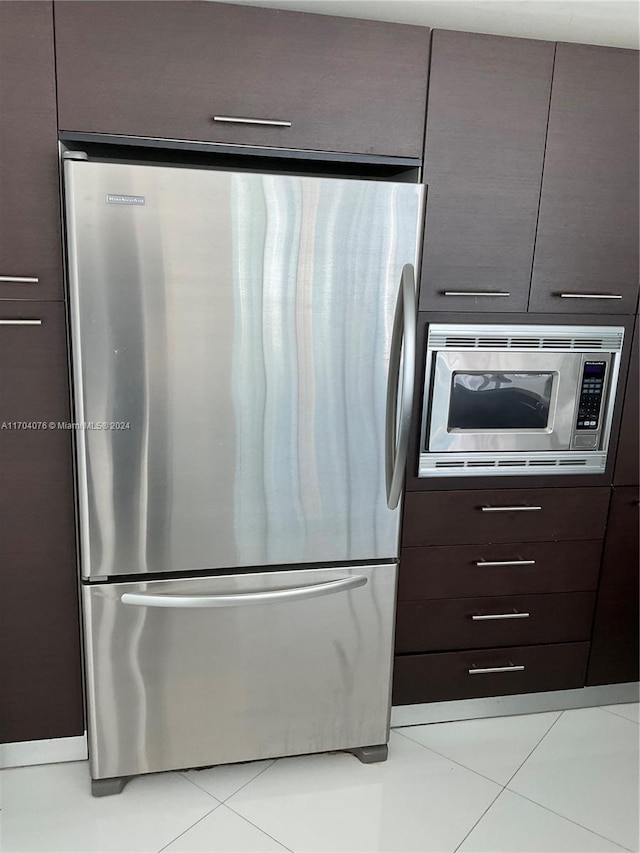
x=500 y=401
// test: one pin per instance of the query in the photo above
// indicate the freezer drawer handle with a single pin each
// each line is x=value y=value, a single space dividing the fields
x=403 y=348
x=500 y=616
x=20 y=322
x=489 y=669
x=239 y=120
x=192 y=601
x=18 y=279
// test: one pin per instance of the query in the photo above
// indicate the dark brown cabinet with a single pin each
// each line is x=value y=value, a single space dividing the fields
x=587 y=239
x=486 y=124
x=614 y=646
x=314 y=82
x=627 y=460
x=39 y=627
x=503 y=515
x=30 y=247
x=488 y=672
x=505 y=620
x=521 y=568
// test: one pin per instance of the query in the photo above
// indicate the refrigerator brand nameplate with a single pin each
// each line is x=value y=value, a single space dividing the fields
x=126 y=199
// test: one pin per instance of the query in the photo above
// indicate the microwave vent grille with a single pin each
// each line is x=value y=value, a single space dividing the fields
x=485 y=464
x=532 y=338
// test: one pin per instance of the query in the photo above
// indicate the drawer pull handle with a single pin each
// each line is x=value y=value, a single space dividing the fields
x=500 y=616
x=20 y=322
x=589 y=295
x=476 y=293
x=510 y=508
x=505 y=562
x=18 y=279
x=489 y=669
x=241 y=120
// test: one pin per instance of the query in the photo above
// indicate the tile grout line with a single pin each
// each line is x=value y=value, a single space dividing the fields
x=259 y=828
x=620 y=716
x=253 y=779
x=446 y=757
x=504 y=787
x=499 y=794
x=533 y=750
x=186 y=778
x=570 y=820
x=217 y=806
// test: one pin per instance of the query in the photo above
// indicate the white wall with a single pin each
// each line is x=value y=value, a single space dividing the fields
x=608 y=22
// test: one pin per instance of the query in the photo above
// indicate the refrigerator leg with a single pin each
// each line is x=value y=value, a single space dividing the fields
x=106 y=787
x=371 y=754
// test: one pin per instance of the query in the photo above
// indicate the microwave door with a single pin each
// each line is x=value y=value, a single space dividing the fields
x=503 y=401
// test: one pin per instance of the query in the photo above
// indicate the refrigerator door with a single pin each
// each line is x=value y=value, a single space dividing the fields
x=186 y=673
x=231 y=339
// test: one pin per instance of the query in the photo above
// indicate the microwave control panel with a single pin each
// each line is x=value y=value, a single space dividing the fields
x=592 y=393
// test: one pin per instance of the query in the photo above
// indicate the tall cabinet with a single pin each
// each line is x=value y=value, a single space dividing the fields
x=40 y=670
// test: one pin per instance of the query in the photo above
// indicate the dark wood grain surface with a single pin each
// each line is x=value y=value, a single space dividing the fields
x=438 y=677
x=40 y=669
x=614 y=648
x=626 y=472
x=486 y=126
x=165 y=69
x=29 y=198
x=447 y=624
x=587 y=239
x=453 y=571
x=457 y=517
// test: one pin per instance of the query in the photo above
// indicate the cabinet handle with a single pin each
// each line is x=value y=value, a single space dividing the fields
x=20 y=322
x=505 y=562
x=500 y=616
x=240 y=120
x=589 y=295
x=476 y=293
x=18 y=279
x=510 y=508
x=488 y=669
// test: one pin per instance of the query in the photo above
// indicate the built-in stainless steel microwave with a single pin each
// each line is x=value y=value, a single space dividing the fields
x=504 y=399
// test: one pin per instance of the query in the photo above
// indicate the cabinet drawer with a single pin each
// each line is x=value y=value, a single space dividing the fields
x=517 y=569
x=527 y=669
x=506 y=620
x=314 y=81
x=504 y=515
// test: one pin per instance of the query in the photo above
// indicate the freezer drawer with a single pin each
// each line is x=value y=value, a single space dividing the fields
x=200 y=671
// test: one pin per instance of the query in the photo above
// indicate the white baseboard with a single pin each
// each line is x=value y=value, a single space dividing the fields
x=25 y=753
x=508 y=706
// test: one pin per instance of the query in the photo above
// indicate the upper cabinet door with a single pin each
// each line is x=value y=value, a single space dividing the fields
x=587 y=243
x=486 y=123
x=313 y=81
x=30 y=248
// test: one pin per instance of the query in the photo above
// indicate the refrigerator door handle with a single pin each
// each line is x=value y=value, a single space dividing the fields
x=403 y=340
x=193 y=601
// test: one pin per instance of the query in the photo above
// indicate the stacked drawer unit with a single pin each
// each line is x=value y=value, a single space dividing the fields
x=496 y=591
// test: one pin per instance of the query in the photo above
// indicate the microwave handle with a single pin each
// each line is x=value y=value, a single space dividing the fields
x=403 y=339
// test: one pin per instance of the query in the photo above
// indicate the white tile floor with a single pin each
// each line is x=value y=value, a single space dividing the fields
x=560 y=781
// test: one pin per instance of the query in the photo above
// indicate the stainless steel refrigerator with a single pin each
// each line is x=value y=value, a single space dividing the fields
x=242 y=395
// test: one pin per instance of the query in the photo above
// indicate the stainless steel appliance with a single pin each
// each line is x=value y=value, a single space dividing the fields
x=518 y=399
x=245 y=393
